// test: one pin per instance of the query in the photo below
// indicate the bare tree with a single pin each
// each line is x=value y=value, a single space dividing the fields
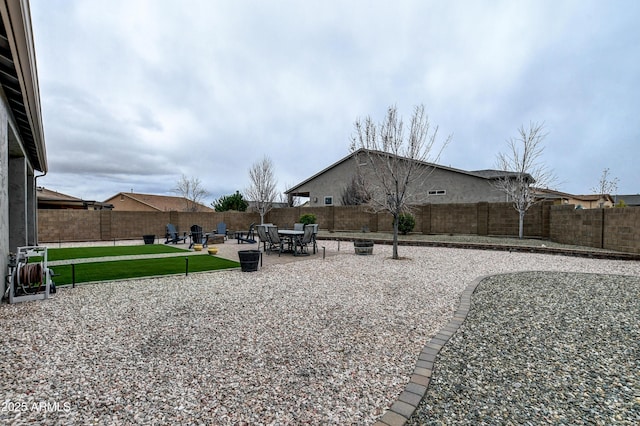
x=606 y=186
x=522 y=166
x=192 y=191
x=263 y=186
x=393 y=163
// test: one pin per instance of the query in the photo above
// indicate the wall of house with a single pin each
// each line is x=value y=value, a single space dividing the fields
x=457 y=187
x=4 y=195
x=126 y=203
x=18 y=214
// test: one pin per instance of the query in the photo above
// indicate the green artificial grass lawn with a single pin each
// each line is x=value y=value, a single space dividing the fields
x=104 y=251
x=117 y=270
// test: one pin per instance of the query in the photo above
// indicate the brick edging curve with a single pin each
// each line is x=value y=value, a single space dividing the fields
x=407 y=402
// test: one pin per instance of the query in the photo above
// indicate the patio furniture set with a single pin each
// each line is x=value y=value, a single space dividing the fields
x=296 y=241
x=196 y=235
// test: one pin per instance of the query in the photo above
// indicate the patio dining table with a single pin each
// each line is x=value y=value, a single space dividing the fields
x=290 y=235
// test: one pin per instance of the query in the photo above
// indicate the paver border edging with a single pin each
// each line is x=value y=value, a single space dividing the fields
x=407 y=402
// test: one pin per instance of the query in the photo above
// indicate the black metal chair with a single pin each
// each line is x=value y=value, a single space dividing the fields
x=303 y=242
x=274 y=238
x=264 y=237
x=249 y=238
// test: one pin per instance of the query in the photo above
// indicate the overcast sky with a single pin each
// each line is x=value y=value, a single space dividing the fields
x=136 y=93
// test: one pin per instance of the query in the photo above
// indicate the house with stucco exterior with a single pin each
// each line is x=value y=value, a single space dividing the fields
x=438 y=184
x=136 y=202
x=23 y=157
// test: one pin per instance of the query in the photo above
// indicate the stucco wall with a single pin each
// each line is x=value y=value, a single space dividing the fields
x=4 y=195
x=457 y=187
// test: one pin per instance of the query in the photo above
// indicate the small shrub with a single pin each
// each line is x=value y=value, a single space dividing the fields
x=307 y=218
x=406 y=223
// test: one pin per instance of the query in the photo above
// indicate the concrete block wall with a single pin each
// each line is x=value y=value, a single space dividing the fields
x=615 y=229
x=454 y=218
x=622 y=229
x=612 y=229
x=69 y=225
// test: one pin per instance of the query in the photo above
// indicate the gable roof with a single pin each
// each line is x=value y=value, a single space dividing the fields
x=629 y=200
x=162 y=203
x=483 y=174
x=49 y=199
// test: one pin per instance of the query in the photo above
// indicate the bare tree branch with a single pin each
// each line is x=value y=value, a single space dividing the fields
x=606 y=184
x=391 y=163
x=522 y=166
x=192 y=191
x=263 y=186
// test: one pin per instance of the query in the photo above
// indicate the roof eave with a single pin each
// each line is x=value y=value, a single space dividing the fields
x=16 y=17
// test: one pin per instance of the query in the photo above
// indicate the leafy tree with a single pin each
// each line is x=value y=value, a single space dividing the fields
x=192 y=191
x=406 y=223
x=262 y=190
x=522 y=167
x=392 y=163
x=230 y=202
x=307 y=218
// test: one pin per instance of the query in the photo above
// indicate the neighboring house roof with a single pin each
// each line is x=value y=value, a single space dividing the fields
x=550 y=193
x=629 y=200
x=19 y=79
x=161 y=203
x=48 y=199
x=483 y=174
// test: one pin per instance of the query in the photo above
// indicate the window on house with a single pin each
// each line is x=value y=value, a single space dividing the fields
x=328 y=201
x=438 y=192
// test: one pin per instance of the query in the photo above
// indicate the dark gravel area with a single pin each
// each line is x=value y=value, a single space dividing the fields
x=541 y=348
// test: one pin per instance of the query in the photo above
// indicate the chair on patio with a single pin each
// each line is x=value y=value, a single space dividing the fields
x=264 y=237
x=197 y=236
x=249 y=238
x=275 y=240
x=221 y=229
x=172 y=235
x=298 y=226
x=315 y=235
x=302 y=242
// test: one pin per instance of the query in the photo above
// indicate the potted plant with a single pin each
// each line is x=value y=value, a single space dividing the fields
x=149 y=239
x=249 y=260
x=308 y=218
x=363 y=247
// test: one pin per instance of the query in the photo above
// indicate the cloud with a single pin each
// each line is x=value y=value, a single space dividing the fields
x=137 y=94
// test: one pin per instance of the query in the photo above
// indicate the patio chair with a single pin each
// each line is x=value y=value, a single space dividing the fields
x=249 y=238
x=264 y=237
x=197 y=236
x=304 y=241
x=172 y=235
x=221 y=229
x=298 y=226
x=274 y=238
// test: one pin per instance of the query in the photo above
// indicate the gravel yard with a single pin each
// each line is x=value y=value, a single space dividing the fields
x=315 y=341
x=541 y=348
